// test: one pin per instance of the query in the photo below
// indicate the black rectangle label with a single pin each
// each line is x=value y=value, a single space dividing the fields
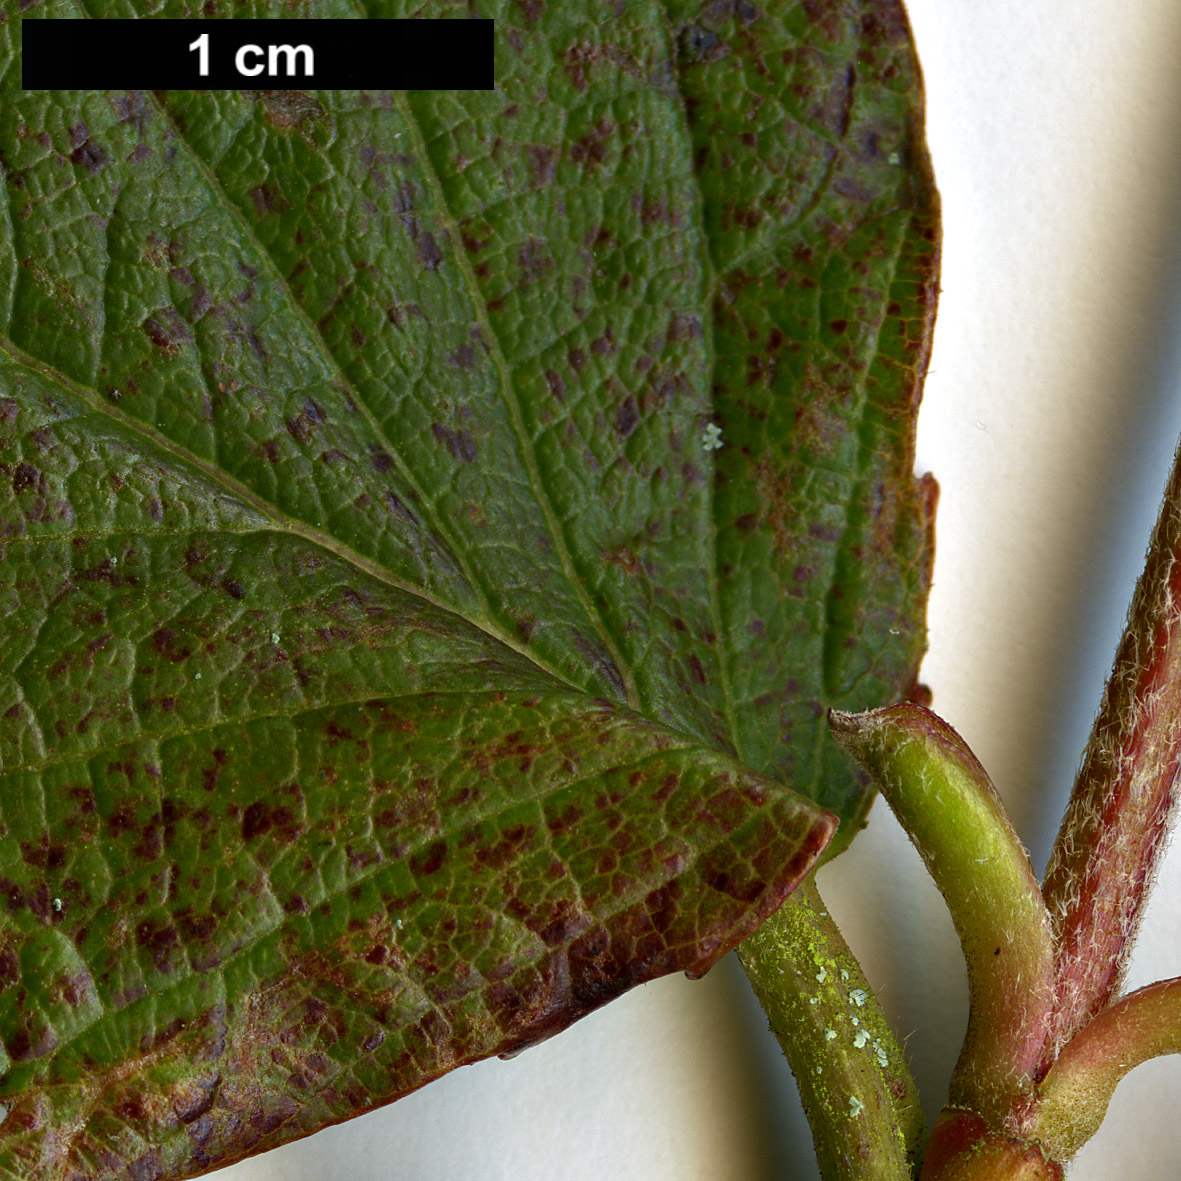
x=161 y=54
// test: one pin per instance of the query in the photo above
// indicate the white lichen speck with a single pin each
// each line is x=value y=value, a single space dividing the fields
x=856 y=1107
x=712 y=439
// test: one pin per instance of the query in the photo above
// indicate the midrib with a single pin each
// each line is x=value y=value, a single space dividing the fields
x=270 y=512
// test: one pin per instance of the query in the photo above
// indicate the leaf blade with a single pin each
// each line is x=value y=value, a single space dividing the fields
x=166 y=292
x=627 y=362
x=292 y=809
x=823 y=227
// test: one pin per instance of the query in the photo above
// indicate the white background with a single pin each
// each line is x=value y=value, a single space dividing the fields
x=1051 y=411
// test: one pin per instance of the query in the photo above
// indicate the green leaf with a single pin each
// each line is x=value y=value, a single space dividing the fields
x=282 y=840
x=389 y=674
x=823 y=225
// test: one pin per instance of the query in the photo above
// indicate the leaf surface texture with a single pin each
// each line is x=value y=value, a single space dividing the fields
x=394 y=667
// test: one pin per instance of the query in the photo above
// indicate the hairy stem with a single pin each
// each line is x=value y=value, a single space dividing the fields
x=950 y=810
x=1118 y=819
x=964 y=1148
x=856 y=1089
x=1073 y=1097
